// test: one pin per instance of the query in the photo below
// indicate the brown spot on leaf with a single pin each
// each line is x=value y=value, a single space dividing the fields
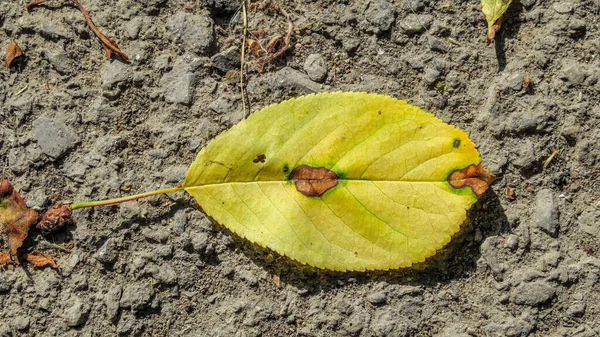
x=12 y=52
x=15 y=216
x=473 y=176
x=259 y=159
x=313 y=181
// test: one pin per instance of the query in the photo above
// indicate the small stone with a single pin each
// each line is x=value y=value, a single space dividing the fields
x=431 y=76
x=194 y=33
x=54 y=137
x=77 y=314
x=179 y=84
x=576 y=309
x=563 y=7
x=129 y=211
x=107 y=253
x=21 y=323
x=511 y=242
x=524 y=155
x=126 y=324
x=532 y=293
x=200 y=242
x=59 y=60
x=136 y=296
x=226 y=60
x=377 y=298
x=572 y=73
x=179 y=221
x=381 y=14
x=111 y=300
x=167 y=276
x=164 y=251
x=316 y=67
x=589 y=220
x=156 y=234
x=115 y=72
x=545 y=214
x=291 y=79
x=415 y=23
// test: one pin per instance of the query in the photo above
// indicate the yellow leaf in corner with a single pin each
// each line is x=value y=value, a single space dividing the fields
x=493 y=10
x=342 y=181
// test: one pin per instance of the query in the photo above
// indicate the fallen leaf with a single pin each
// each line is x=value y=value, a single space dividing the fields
x=493 y=10
x=55 y=218
x=12 y=52
x=39 y=260
x=510 y=194
x=344 y=180
x=5 y=261
x=15 y=216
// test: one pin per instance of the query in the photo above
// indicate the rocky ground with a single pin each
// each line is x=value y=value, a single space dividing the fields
x=75 y=126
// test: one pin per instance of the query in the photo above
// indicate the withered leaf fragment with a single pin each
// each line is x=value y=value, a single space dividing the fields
x=494 y=10
x=39 y=260
x=5 y=261
x=12 y=52
x=15 y=216
x=55 y=218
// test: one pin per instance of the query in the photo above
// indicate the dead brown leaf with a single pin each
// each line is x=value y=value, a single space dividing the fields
x=493 y=30
x=5 y=261
x=510 y=194
x=39 y=260
x=15 y=216
x=12 y=52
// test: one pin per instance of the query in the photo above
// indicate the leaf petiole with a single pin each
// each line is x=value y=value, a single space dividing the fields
x=124 y=199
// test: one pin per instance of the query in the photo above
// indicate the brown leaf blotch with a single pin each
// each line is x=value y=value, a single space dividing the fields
x=474 y=176
x=313 y=181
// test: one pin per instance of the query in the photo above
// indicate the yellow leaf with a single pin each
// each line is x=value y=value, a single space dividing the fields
x=342 y=181
x=493 y=10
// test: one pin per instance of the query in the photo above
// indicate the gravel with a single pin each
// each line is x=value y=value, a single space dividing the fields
x=55 y=138
x=76 y=126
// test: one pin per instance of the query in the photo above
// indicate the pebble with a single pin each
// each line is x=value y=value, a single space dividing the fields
x=381 y=14
x=576 y=309
x=77 y=314
x=59 y=61
x=415 y=23
x=589 y=220
x=386 y=322
x=166 y=275
x=524 y=155
x=431 y=75
x=179 y=84
x=194 y=33
x=226 y=60
x=55 y=138
x=511 y=242
x=111 y=300
x=199 y=242
x=291 y=79
x=156 y=234
x=129 y=212
x=136 y=296
x=178 y=221
x=21 y=322
x=545 y=213
x=107 y=253
x=316 y=67
x=164 y=251
x=572 y=73
x=532 y=293
x=115 y=72
x=377 y=298
x=563 y=7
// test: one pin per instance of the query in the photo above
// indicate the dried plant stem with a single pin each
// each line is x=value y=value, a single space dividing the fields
x=124 y=199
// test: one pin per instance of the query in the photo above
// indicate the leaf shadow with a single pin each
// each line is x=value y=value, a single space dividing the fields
x=510 y=29
x=456 y=260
